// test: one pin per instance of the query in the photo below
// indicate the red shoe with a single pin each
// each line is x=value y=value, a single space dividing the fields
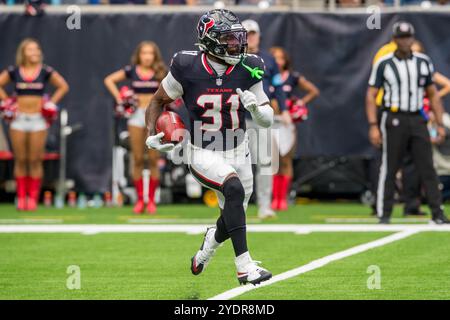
x=151 y=208
x=275 y=204
x=282 y=205
x=139 y=207
x=31 y=204
x=34 y=188
x=22 y=204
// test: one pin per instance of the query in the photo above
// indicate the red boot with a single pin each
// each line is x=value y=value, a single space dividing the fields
x=34 y=188
x=276 y=192
x=284 y=189
x=140 y=205
x=21 y=190
x=151 y=206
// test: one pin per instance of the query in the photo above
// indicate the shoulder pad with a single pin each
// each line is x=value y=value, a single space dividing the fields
x=254 y=65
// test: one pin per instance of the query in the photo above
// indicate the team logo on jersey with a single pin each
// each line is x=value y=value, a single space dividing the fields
x=219 y=81
x=203 y=27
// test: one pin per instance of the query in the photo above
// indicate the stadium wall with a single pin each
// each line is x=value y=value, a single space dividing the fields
x=334 y=50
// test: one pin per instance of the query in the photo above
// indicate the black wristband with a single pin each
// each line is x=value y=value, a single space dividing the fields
x=373 y=124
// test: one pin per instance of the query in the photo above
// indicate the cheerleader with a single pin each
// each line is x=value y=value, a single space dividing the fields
x=28 y=129
x=145 y=74
x=287 y=133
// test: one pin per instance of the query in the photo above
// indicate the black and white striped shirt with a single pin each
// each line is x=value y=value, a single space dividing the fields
x=403 y=80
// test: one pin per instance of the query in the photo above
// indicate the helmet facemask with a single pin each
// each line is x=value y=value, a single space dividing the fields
x=231 y=47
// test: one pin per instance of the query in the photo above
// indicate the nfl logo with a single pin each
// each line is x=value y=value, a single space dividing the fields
x=219 y=81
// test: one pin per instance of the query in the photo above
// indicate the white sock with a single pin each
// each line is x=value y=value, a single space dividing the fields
x=243 y=259
x=213 y=243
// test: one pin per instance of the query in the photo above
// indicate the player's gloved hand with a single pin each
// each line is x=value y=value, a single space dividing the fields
x=248 y=99
x=154 y=142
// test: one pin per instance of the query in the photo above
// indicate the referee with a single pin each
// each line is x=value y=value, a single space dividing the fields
x=405 y=77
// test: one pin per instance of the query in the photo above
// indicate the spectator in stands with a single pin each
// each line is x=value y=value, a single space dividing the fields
x=176 y=2
x=347 y=3
x=28 y=130
x=127 y=1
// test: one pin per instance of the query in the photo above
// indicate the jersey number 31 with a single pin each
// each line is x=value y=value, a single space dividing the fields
x=212 y=103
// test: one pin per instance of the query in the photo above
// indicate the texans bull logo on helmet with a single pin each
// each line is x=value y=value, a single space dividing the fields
x=205 y=24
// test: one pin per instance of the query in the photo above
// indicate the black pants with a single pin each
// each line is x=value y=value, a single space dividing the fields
x=400 y=132
x=411 y=185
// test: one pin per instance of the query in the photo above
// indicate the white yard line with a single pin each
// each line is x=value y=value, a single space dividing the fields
x=200 y=228
x=374 y=220
x=317 y=264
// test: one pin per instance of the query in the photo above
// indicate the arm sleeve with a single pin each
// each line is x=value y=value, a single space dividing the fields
x=172 y=87
x=258 y=90
x=263 y=114
x=376 y=76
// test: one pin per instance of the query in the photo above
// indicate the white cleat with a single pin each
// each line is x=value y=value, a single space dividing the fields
x=248 y=270
x=206 y=252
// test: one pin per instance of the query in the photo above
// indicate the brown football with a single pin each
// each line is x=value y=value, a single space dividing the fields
x=171 y=124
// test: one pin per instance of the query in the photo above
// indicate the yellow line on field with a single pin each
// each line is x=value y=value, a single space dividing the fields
x=68 y=217
x=147 y=216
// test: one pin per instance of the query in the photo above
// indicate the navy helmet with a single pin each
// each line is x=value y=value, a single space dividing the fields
x=221 y=34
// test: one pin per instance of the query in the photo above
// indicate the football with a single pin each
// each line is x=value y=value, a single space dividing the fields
x=173 y=127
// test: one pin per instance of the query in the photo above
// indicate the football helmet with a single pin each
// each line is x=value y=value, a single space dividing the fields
x=221 y=34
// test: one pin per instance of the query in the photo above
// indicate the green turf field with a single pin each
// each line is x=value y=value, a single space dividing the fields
x=156 y=265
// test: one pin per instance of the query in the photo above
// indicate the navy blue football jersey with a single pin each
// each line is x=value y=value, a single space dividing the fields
x=217 y=117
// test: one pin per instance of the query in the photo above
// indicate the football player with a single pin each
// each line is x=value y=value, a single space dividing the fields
x=218 y=84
